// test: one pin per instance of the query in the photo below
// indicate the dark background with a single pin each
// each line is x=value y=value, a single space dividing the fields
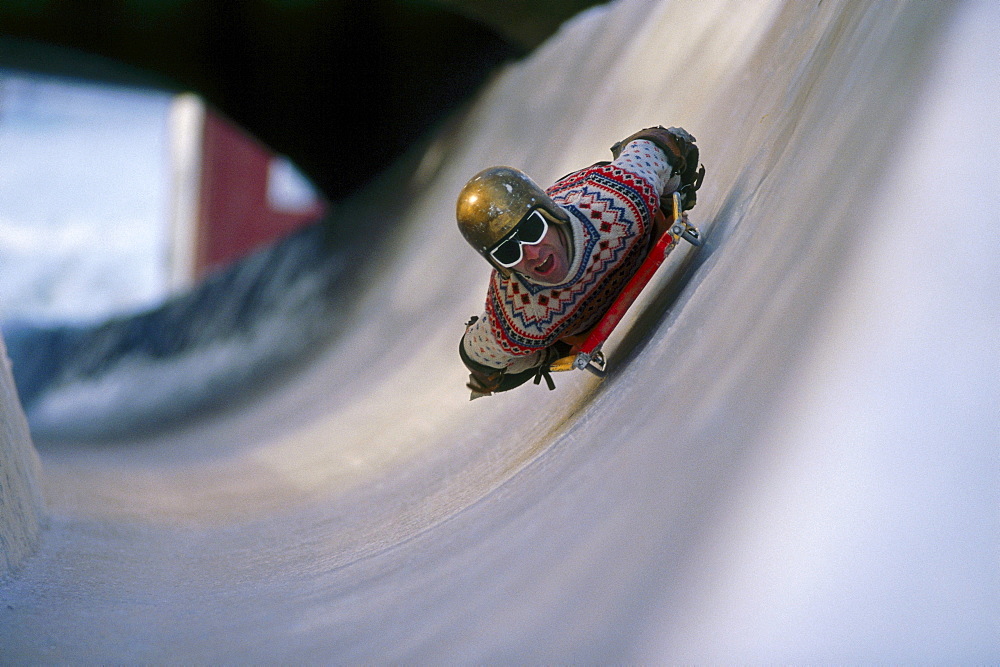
x=342 y=87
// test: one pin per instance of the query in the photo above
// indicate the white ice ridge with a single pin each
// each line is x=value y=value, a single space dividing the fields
x=799 y=465
x=21 y=505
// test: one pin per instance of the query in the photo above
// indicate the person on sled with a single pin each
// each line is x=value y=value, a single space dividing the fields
x=560 y=256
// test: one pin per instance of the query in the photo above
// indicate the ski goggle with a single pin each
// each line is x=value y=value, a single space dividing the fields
x=530 y=231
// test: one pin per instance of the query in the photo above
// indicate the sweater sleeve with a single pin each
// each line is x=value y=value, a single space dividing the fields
x=648 y=161
x=482 y=348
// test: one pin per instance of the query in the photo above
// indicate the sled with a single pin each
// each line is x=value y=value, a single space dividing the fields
x=585 y=353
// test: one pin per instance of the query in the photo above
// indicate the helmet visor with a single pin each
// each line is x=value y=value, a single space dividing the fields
x=529 y=231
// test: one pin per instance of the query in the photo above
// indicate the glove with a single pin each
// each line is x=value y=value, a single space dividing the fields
x=484 y=384
x=682 y=153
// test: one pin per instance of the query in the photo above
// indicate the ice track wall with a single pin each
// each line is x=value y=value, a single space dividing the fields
x=796 y=461
x=21 y=506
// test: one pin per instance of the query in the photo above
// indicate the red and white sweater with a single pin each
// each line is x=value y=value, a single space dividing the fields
x=611 y=209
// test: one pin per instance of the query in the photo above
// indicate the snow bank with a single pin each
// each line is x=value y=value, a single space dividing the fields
x=20 y=496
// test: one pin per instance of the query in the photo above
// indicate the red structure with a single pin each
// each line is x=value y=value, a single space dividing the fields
x=235 y=213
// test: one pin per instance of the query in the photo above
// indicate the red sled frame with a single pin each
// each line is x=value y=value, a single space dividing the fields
x=587 y=355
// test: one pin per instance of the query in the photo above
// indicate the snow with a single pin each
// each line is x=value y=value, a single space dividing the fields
x=796 y=462
x=84 y=184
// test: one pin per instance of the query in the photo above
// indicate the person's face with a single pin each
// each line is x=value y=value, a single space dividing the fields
x=548 y=260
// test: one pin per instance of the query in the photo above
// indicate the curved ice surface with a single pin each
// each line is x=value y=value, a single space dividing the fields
x=796 y=462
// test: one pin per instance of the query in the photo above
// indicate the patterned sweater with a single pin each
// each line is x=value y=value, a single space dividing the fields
x=611 y=209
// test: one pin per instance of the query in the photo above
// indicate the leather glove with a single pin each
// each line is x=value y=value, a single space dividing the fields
x=484 y=384
x=484 y=381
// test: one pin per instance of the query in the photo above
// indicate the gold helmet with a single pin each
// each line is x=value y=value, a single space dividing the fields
x=492 y=204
